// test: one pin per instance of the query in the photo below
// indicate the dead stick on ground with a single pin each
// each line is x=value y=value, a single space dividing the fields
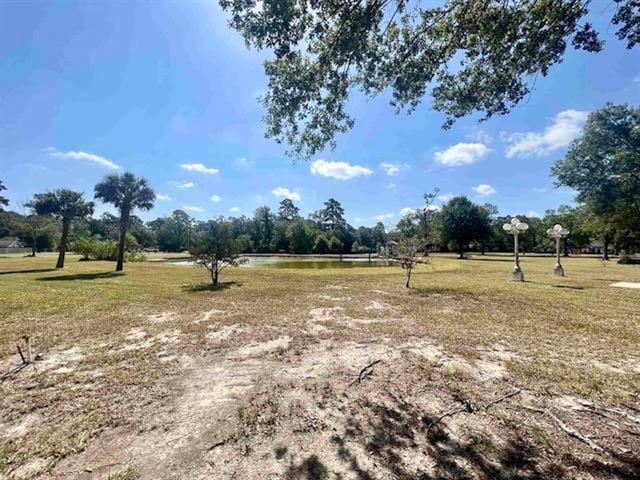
x=469 y=408
x=365 y=372
x=572 y=432
x=21 y=355
x=502 y=398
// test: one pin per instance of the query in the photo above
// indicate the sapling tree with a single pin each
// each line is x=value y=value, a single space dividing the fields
x=215 y=249
x=409 y=256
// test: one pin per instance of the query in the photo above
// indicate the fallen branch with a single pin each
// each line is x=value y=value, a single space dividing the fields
x=572 y=432
x=469 y=408
x=365 y=372
x=13 y=371
x=593 y=408
x=502 y=398
x=16 y=369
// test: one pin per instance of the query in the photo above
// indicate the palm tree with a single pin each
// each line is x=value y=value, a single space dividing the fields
x=65 y=205
x=4 y=201
x=126 y=192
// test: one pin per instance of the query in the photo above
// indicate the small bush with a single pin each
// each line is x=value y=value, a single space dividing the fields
x=627 y=260
x=134 y=257
x=92 y=248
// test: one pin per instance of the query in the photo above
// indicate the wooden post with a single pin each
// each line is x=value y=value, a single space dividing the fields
x=29 y=353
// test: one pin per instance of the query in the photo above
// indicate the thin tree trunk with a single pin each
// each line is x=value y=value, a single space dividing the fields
x=605 y=250
x=460 y=251
x=62 y=247
x=408 y=277
x=33 y=245
x=124 y=219
x=566 y=247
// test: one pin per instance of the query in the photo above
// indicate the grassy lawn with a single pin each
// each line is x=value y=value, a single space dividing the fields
x=153 y=374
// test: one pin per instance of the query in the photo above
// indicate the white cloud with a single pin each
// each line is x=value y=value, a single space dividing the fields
x=286 y=193
x=215 y=198
x=159 y=196
x=407 y=211
x=533 y=213
x=338 y=170
x=383 y=217
x=199 y=167
x=540 y=189
x=390 y=169
x=193 y=208
x=461 y=154
x=182 y=184
x=636 y=79
x=445 y=197
x=86 y=156
x=479 y=135
x=391 y=185
x=234 y=209
x=565 y=128
x=483 y=190
x=357 y=220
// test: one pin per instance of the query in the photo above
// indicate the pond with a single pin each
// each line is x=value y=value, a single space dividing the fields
x=299 y=262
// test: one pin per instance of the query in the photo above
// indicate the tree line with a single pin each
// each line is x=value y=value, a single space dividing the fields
x=602 y=166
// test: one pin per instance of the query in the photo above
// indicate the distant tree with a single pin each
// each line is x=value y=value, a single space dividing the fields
x=379 y=234
x=321 y=244
x=335 y=245
x=300 y=237
x=4 y=201
x=332 y=215
x=264 y=221
x=105 y=227
x=470 y=56
x=491 y=211
x=173 y=233
x=215 y=249
x=462 y=222
x=33 y=226
x=245 y=244
x=287 y=210
x=602 y=165
x=126 y=192
x=572 y=218
x=65 y=205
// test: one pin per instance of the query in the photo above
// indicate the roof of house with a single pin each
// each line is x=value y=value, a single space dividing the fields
x=10 y=242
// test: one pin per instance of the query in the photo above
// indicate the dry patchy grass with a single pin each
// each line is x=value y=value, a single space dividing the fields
x=150 y=369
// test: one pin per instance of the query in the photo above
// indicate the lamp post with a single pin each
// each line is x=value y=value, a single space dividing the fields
x=515 y=227
x=558 y=232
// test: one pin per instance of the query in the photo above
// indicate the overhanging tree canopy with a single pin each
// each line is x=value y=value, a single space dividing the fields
x=469 y=55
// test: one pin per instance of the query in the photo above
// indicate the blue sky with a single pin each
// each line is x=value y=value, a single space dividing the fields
x=169 y=92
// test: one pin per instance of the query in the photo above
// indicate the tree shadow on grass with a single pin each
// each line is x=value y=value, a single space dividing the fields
x=476 y=258
x=572 y=287
x=82 y=276
x=34 y=270
x=210 y=287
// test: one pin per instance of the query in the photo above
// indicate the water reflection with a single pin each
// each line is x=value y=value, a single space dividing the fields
x=276 y=261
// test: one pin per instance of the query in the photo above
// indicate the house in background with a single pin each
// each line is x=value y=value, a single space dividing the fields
x=12 y=245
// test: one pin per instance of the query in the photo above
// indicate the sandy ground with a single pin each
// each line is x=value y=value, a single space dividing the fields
x=299 y=402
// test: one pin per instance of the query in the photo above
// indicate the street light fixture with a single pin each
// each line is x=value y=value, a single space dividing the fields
x=558 y=232
x=516 y=227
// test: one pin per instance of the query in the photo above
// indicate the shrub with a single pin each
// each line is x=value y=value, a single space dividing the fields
x=321 y=245
x=627 y=260
x=92 y=248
